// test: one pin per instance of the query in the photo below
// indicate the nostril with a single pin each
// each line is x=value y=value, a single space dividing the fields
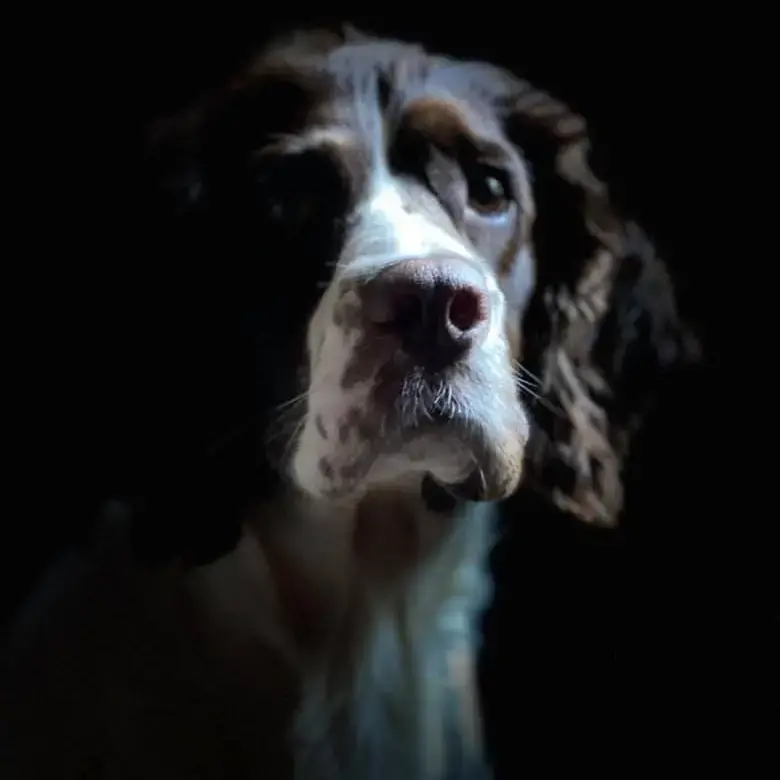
x=466 y=309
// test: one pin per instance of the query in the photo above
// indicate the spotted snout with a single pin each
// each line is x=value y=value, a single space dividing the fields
x=417 y=351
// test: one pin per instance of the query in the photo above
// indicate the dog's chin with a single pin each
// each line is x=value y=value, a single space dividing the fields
x=493 y=475
x=478 y=458
x=466 y=432
x=468 y=460
x=475 y=486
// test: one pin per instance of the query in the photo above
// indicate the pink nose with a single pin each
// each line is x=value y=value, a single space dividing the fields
x=437 y=307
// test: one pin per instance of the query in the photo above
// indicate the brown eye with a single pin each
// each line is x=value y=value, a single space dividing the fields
x=489 y=191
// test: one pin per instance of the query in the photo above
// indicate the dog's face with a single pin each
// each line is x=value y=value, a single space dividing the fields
x=381 y=178
x=410 y=348
x=422 y=210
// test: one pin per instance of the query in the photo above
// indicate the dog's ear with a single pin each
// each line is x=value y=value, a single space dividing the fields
x=190 y=347
x=189 y=153
x=200 y=342
x=603 y=329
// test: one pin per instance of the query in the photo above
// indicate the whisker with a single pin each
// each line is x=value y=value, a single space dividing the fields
x=529 y=375
x=552 y=408
x=522 y=382
x=285 y=429
x=528 y=389
x=282 y=425
x=290 y=444
x=287 y=415
x=292 y=401
x=547 y=404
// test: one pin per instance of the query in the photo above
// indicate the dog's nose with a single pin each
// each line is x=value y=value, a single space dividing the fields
x=437 y=307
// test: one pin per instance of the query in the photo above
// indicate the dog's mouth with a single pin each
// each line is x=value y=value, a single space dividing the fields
x=457 y=438
x=461 y=455
x=496 y=460
x=444 y=498
x=487 y=426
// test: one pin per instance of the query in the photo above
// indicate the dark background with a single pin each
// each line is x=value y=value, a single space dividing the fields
x=604 y=649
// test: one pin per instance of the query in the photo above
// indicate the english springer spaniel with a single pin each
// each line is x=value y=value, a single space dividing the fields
x=401 y=229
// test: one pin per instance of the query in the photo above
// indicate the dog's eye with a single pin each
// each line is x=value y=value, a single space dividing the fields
x=490 y=192
x=296 y=188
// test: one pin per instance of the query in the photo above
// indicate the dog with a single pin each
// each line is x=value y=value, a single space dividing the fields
x=388 y=228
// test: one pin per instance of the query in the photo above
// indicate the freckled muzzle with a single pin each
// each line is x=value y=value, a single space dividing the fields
x=415 y=355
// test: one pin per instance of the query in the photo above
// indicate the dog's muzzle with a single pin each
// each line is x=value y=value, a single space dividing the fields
x=439 y=310
x=412 y=374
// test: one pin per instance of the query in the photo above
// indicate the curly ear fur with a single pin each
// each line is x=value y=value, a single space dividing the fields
x=603 y=327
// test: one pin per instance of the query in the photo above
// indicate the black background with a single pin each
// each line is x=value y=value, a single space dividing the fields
x=604 y=649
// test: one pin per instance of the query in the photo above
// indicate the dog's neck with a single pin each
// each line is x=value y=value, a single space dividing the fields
x=347 y=630
x=375 y=601
x=325 y=558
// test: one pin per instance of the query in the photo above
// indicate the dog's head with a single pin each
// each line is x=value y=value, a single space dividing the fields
x=410 y=349
x=382 y=215
x=382 y=179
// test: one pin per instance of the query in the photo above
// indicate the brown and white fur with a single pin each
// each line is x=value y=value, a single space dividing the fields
x=337 y=640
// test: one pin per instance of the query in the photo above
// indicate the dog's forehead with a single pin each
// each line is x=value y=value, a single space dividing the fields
x=356 y=60
x=354 y=85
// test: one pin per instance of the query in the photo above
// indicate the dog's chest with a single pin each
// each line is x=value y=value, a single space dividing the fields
x=383 y=700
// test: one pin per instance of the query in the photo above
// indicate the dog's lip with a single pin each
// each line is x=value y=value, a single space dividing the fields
x=436 y=497
x=442 y=497
x=472 y=488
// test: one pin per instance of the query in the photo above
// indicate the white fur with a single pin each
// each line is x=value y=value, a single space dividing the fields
x=399 y=695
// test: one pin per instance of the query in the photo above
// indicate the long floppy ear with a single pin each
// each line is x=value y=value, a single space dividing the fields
x=602 y=330
x=265 y=93
x=189 y=503
x=197 y=194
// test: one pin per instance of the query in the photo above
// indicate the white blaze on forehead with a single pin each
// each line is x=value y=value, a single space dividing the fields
x=388 y=230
